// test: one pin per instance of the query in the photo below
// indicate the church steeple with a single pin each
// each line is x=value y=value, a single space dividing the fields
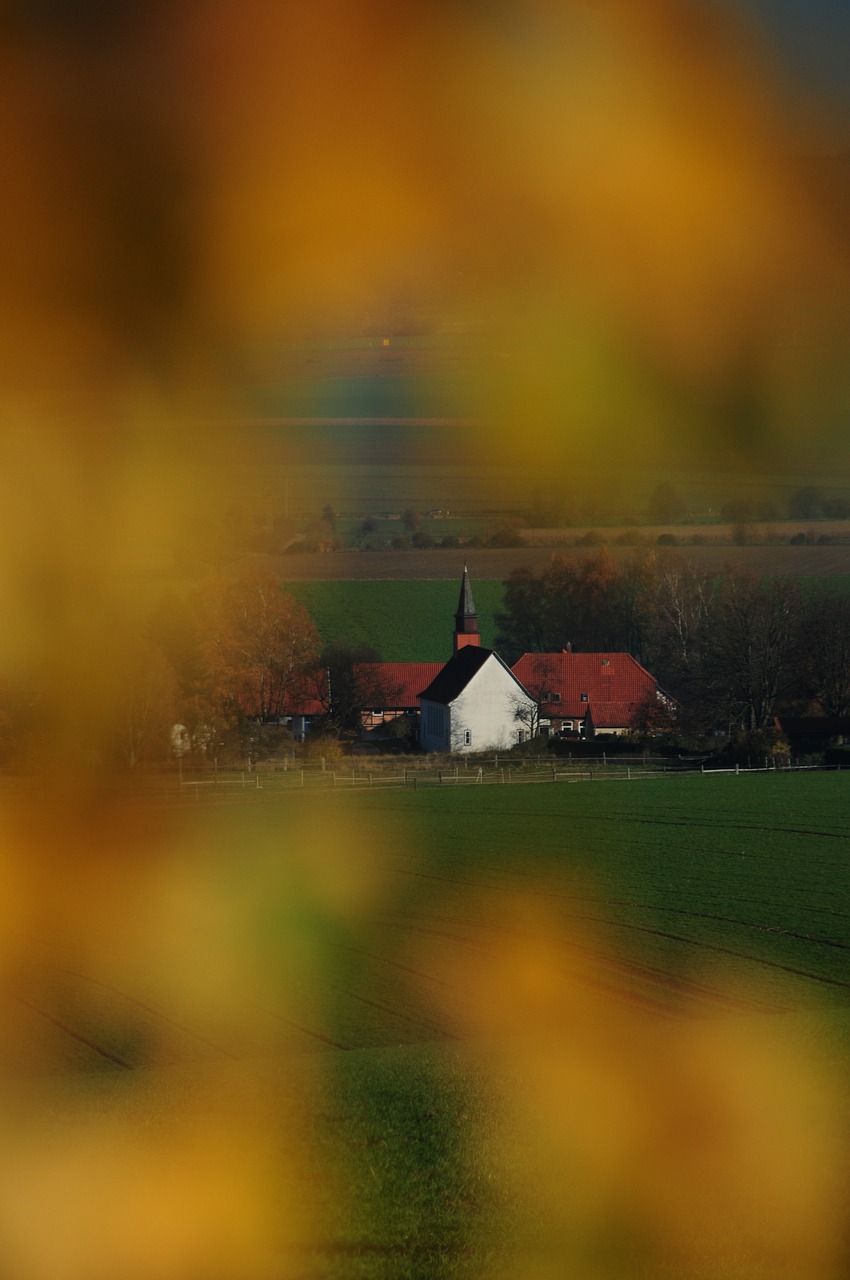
x=466 y=618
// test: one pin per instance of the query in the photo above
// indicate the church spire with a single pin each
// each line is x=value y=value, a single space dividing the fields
x=466 y=618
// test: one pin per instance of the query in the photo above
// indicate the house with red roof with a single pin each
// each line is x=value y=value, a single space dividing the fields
x=476 y=702
x=589 y=693
x=388 y=690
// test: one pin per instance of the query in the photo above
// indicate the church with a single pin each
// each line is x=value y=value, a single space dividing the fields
x=476 y=702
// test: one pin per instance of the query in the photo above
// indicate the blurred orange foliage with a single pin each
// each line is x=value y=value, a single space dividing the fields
x=611 y=197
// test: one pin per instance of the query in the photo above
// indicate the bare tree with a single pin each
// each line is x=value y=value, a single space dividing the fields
x=541 y=691
x=824 y=652
x=752 y=644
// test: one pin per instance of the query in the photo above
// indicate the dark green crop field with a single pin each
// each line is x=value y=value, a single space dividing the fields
x=518 y=939
x=748 y=875
x=405 y=620
x=553 y=1029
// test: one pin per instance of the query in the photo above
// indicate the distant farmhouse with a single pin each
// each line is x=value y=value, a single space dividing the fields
x=589 y=693
x=476 y=702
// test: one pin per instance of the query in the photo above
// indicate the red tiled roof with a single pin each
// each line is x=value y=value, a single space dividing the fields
x=614 y=715
x=605 y=679
x=394 y=685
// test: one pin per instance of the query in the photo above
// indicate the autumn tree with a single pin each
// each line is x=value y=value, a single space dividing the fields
x=256 y=641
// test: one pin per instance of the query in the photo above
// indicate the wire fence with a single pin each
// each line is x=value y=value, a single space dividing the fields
x=275 y=777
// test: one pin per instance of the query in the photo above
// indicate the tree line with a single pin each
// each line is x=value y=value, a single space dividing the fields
x=730 y=648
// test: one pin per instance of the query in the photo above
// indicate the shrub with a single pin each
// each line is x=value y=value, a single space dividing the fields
x=506 y=536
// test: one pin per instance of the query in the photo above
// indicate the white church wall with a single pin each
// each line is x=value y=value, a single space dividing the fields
x=483 y=716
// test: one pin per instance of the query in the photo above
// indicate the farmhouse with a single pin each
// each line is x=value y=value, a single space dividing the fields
x=590 y=693
x=476 y=703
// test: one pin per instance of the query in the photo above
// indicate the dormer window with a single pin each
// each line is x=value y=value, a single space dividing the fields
x=556 y=697
x=584 y=697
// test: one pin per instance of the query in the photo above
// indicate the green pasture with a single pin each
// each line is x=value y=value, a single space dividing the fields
x=405 y=620
x=411 y=620
x=704 y=896
x=749 y=872
x=735 y=888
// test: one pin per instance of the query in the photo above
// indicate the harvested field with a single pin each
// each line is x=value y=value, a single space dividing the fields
x=755 y=534
x=768 y=561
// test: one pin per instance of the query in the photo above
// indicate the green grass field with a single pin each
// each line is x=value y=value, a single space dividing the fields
x=469 y=975
x=405 y=620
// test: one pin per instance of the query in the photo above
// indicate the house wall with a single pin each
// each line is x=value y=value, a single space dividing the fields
x=481 y=718
x=486 y=711
x=434 y=726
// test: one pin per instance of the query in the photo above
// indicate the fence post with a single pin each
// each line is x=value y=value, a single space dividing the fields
x=440 y=776
x=604 y=758
x=414 y=782
x=302 y=777
x=737 y=768
x=628 y=773
x=590 y=773
x=257 y=780
x=243 y=779
x=554 y=777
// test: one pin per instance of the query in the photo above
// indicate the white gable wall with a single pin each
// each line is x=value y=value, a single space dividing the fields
x=481 y=718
